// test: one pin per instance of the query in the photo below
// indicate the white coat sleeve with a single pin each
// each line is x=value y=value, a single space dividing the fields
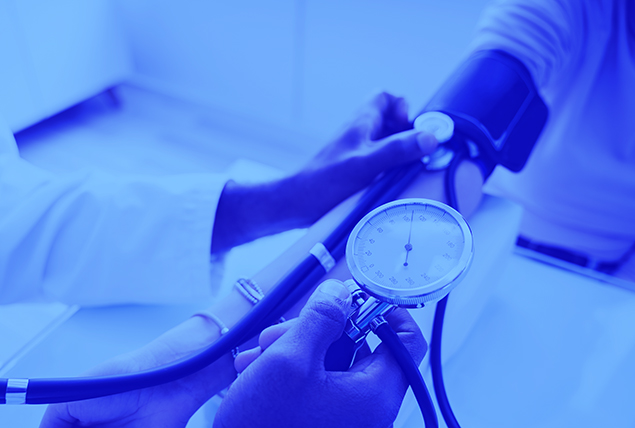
x=91 y=238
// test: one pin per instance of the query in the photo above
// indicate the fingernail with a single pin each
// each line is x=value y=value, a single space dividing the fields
x=427 y=142
x=334 y=288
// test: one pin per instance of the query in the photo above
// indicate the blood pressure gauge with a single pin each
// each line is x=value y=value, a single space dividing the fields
x=409 y=252
x=406 y=253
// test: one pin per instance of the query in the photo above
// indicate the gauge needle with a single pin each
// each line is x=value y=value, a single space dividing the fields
x=408 y=246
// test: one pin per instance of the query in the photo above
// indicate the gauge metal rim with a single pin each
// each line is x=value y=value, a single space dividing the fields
x=418 y=297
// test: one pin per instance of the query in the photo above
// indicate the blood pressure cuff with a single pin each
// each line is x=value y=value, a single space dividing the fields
x=496 y=109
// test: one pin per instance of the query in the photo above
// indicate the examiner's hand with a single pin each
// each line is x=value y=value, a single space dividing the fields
x=284 y=383
x=379 y=138
x=165 y=406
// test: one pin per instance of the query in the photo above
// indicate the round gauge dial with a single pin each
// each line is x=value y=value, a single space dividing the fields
x=409 y=252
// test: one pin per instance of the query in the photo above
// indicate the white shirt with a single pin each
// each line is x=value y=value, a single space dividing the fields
x=91 y=238
x=578 y=187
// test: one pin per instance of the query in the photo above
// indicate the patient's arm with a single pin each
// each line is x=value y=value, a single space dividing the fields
x=430 y=185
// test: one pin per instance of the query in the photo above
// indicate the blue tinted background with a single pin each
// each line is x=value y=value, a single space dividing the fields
x=283 y=65
x=292 y=72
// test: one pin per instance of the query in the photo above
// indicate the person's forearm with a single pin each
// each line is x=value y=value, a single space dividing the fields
x=350 y=163
x=428 y=185
x=235 y=306
x=247 y=212
x=196 y=332
x=469 y=182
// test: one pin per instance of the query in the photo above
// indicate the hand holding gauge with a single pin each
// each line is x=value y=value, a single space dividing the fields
x=406 y=253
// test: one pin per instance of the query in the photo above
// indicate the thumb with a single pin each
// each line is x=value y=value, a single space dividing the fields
x=322 y=319
x=57 y=416
x=401 y=148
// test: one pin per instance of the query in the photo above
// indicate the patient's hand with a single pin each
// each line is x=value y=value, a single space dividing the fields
x=284 y=382
x=378 y=139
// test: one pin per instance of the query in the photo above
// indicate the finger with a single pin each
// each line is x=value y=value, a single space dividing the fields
x=394 y=119
x=363 y=352
x=245 y=358
x=321 y=321
x=409 y=332
x=381 y=113
x=58 y=416
x=399 y=149
x=273 y=333
x=380 y=365
x=364 y=127
x=382 y=100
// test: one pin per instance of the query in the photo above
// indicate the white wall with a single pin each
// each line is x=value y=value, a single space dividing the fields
x=55 y=54
x=296 y=64
x=301 y=65
x=354 y=48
